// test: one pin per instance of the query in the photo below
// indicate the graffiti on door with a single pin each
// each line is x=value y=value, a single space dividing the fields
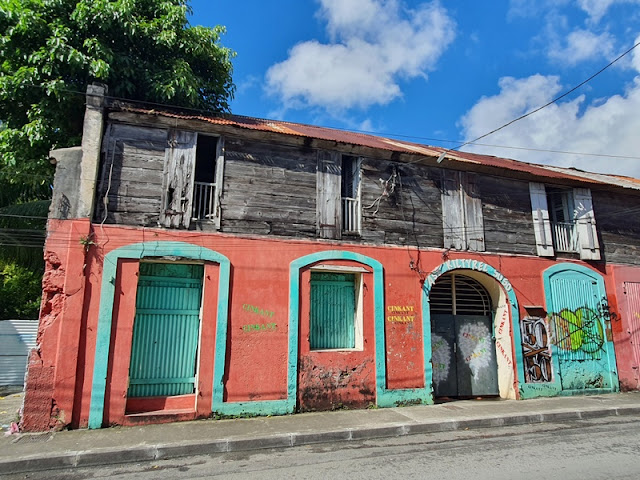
x=475 y=345
x=578 y=330
x=441 y=356
x=535 y=347
x=583 y=329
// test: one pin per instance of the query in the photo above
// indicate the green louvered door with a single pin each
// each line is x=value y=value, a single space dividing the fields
x=332 y=317
x=166 y=330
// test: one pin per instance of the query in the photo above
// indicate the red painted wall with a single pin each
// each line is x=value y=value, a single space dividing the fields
x=626 y=326
x=60 y=374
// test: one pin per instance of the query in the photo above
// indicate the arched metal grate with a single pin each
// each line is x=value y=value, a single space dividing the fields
x=459 y=295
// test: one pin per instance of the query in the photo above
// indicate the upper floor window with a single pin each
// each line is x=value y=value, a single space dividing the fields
x=338 y=209
x=563 y=221
x=192 y=179
x=462 y=218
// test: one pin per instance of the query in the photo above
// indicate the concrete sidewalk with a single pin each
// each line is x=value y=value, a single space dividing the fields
x=34 y=452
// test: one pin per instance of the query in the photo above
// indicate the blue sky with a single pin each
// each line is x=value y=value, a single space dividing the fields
x=445 y=72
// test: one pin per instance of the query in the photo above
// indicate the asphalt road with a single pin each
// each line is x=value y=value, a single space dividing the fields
x=606 y=448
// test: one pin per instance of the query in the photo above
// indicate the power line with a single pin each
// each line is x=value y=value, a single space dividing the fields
x=390 y=134
x=541 y=107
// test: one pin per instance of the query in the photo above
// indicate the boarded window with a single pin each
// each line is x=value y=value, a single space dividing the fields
x=333 y=310
x=462 y=218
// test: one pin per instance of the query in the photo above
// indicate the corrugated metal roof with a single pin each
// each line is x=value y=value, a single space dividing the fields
x=400 y=146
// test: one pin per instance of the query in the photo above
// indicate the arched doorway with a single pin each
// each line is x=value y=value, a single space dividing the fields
x=462 y=342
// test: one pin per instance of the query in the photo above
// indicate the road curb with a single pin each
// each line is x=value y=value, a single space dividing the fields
x=144 y=453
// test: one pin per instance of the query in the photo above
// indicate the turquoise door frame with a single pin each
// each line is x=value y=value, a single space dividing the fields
x=556 y=304
x=526 y=390
x=105 y=316
x=384 y=397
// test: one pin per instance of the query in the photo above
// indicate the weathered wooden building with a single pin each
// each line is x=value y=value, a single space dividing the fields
x=232 y=265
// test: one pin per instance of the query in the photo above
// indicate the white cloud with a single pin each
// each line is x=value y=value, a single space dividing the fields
x=581 y=45
x=596 y=9
x=607 y=126
x=374 y=44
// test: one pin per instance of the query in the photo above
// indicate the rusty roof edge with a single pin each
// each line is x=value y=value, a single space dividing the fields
x=400 y=146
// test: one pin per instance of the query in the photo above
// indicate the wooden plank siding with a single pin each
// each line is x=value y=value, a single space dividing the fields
x=271 y=188
x=506 y=210
x=268 y=189
x=409 y=215
x=618 y=226
x=131 y=175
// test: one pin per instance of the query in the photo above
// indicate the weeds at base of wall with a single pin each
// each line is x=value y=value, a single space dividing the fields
x=408 y=403
x=222 y=416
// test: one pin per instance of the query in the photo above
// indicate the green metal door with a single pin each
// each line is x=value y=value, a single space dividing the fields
x=332 y=316
x=576 y=300
x=166 y=330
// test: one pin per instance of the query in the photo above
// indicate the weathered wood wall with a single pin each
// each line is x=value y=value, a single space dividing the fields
x=618 y=225
x=270 y=188
x=131 y=175
x=506 y=209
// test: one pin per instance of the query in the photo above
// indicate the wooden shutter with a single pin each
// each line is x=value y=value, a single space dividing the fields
x=328 y=206
x=179 y=170
x=541 y=223
x=588 y=245
x=219 y=181
x=473 y=219
x=452 y=211
x=332 y=319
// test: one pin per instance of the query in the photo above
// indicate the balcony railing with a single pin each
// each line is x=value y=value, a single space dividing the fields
x=565 y=237
x=350 y=215
x=203 y=201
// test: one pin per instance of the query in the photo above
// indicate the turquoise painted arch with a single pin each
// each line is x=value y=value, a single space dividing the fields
x=607 y=365
x=384 y=396
x=474 y=265
x=105 y=316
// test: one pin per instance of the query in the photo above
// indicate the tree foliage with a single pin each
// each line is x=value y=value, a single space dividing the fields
x=50 y=50
x=19 y=292
x=142 y=49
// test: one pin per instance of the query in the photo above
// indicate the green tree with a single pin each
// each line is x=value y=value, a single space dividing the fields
x=142 y=49
x=50 y=50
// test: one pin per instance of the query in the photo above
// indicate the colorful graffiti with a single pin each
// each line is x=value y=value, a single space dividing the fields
x=474 y=341
x=441 y=356
x=579 y=330
x=535 y=347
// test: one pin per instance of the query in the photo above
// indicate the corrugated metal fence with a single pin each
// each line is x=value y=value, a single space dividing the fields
x=17 y=338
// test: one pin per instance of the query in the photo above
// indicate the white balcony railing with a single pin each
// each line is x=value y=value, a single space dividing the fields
x=565 y=237
x=350 y=215
x=203 y=201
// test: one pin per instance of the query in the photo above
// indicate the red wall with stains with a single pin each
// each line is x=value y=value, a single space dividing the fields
x=60 y=373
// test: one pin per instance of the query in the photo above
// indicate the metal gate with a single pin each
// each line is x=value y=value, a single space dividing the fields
x=576 y=301
x=464 y=355
x=166 y=330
